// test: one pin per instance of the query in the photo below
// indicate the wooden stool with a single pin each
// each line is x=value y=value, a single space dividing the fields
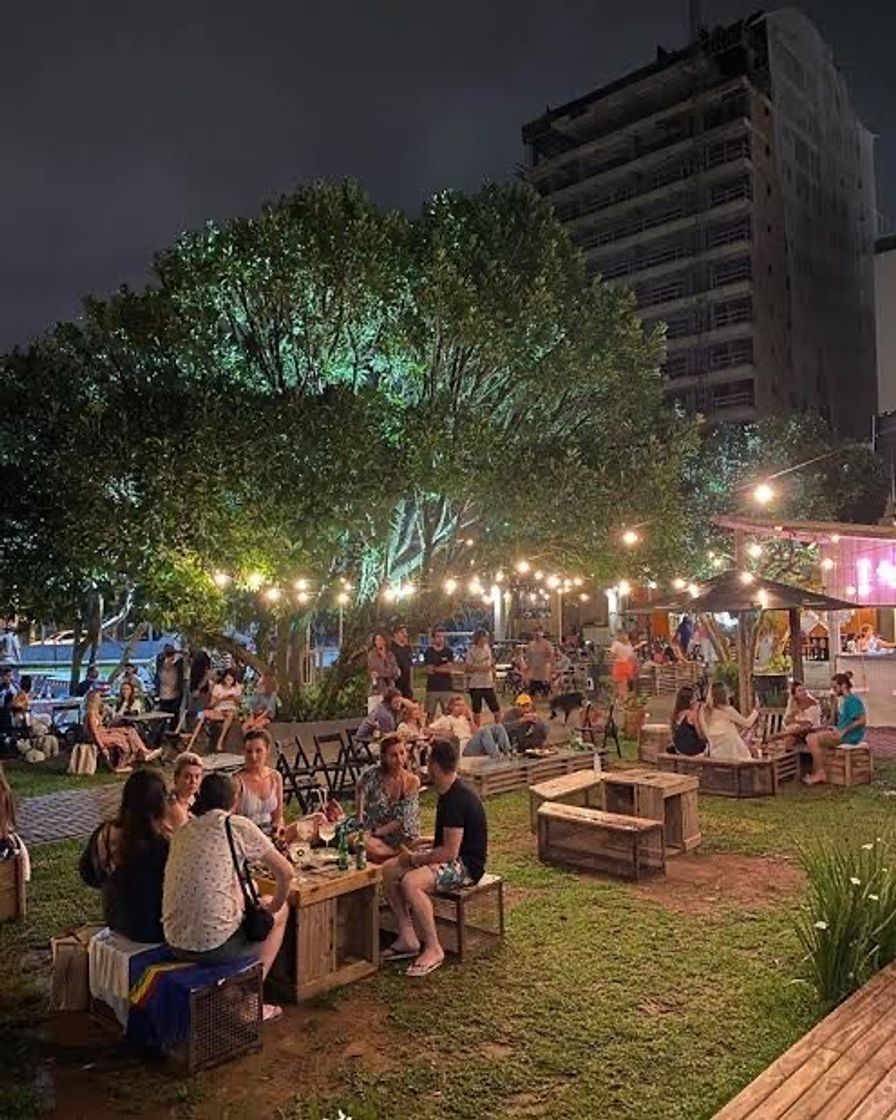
x=597 y=841
x=580 y=788
x=12 y=889
x=489 y=888
x=848 y=766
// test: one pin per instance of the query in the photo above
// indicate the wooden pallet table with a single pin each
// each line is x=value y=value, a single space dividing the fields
x=670 y=798
x=592 y=840
x=332 y=933
x=490 y=777
x=843 y=1069
x=582 y=787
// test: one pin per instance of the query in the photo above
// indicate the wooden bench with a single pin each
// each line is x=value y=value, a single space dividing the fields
x=490 y=777
x=468 y=919
x=843 y=1069
x=590 y=839
x=582 y=787
x=748 y=778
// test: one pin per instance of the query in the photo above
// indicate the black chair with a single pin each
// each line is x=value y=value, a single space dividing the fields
x=590 y=731
x=354 y=756
x=300 y=776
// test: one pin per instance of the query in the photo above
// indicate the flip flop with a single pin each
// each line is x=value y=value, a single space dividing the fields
x=398 y=954
x=416 y=971
x=271 y=1012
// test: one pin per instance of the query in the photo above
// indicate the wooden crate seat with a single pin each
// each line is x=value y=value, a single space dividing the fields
x=593 y=840
x=847 y=765
x=748 y=778
x=469 y=920
x=490 y=777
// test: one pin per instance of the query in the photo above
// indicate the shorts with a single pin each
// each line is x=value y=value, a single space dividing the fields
x=622 y=671
x=235 y=947
x=449 y=876
x=478 y=695
x=435 y=700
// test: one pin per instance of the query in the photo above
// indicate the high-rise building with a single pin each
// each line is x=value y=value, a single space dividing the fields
x=731 y=185
x=885 y=299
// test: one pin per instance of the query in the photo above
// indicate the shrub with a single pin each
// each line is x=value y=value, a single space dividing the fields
x=848 y=925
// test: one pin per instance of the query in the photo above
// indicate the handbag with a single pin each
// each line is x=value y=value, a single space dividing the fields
x=71 y=983
x=257 y=921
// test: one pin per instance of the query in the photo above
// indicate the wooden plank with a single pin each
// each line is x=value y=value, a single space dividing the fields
x=597 y=817
x=770 y=1099
x=880 y=1104
x=315 y=945
x=348 y=974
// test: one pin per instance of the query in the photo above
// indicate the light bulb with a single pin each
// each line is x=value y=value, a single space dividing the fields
x=302 y=597
x=255 y=580
x=221 y=579
x=679 y=584
x=450 y=586
x=342 y=598
x=624 y=587
x=553 y=581
x=630 y=537
x=522 y=566
x=272 y=594
x=754 y=550
x=827 y=563
x=301 y=585
x=746 y=578
x=763 y=494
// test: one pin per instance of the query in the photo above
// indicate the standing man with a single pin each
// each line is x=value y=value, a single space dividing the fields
x=170 y=683
x=456 y=859
x=10 y=650
x=403 y=654
x=438 y=663
x=539 y=664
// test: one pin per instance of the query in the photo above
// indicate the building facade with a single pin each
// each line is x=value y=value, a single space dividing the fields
x=731 y=186
x=885 y=302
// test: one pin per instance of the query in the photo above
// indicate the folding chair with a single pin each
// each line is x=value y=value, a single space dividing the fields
x=299 y=778
x=354 y=756
x=590 y=730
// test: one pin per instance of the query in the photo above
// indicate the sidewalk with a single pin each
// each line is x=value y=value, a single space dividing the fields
x=71 y=814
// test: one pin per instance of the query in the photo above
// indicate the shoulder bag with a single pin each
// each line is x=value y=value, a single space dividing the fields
x=257 y=921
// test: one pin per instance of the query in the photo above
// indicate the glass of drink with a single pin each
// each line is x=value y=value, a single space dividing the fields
x=327 y=832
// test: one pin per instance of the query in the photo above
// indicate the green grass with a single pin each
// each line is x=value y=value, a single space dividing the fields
x=601 y=1001
x=34 y=781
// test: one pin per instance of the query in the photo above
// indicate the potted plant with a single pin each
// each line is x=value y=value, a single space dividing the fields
x=634 y=715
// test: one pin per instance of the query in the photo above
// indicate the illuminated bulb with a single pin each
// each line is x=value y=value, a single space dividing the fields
x=389 y=595
x=553 y=581
x=302 y=597
x=754 y=550
x=746 y=578
x=474 y=587
x=221 y=579
x=499 y=576
x=717 y=562
x=624 y=587
x=711 y=555
x=342 y=598
x=577 y=582
x=272 y=594
x=679 y=584
x=494 y=590
x=407 y=591
x=827 y=563
x=763 y=494
x=349 y=587
x=630 y=537
x=539 y=575
x=486 y=600
x=450 y=586
x=469 y=542
x=583 y=598
x=693 y=590
x=532 y=596
x=301 y=585
x=567 y=584
x=522 y=566
x=255 y=580
x=851 y=592
x=651 y=585
x=835 y=539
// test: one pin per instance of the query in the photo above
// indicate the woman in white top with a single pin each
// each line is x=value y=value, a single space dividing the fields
x=260 y=794
x=223 y=707
x=721 y=725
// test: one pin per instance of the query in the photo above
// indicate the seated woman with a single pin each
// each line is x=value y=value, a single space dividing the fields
x=802 y=715
x=263 y=704
x=383 y=720
x=720 y=725
x=121 y=747
x=188 y=774
x=128 y=703
x=125 y=858
x=223 y=707
x=260 y=794
x=388 y=806
x=686 y=736
x=32 y=733
x=849 y=730
x=415 y=733
x=491 y=740
x=203 y=900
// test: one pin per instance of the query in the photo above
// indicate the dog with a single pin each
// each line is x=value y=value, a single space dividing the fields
x=567 y=703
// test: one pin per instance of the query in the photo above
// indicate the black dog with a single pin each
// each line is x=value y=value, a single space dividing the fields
x=567 y=703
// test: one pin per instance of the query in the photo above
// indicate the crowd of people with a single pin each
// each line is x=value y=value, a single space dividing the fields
x=713 y=727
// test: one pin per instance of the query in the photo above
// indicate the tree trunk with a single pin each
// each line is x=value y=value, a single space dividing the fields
x=796 y=644
x=136 y=636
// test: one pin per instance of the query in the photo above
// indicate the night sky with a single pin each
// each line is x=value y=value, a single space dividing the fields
x=124 y=125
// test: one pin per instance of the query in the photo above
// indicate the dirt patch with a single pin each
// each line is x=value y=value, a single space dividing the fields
x=307 y=1052
x=701 y=884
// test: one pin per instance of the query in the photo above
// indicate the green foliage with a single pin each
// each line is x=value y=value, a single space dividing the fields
x=848 y=925
x=727 y=673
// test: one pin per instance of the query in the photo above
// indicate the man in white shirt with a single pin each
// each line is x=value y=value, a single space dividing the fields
x=10 y=650
x=202 y=900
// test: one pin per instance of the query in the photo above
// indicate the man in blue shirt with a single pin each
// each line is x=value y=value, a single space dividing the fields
x=849 y=730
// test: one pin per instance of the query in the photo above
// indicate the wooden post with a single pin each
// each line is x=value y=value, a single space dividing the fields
x=796 y=643
x=744 y=663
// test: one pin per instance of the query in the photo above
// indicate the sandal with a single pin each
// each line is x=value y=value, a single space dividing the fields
x=417 y=970
x=271 y=1012
x=399 y=954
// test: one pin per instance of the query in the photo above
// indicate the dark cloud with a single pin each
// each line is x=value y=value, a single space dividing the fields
x=123 y=125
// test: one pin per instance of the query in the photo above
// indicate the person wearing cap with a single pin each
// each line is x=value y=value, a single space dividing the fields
x=524 y=729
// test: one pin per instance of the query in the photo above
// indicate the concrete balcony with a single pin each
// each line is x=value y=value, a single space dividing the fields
x=711 y=334
x=677 y=225
x=642 y=274
x=671 y=307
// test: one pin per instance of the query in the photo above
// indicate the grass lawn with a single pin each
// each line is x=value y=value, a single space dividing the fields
x=606 y=1000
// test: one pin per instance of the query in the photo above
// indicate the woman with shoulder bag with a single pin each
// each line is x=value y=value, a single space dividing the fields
x=210 y=909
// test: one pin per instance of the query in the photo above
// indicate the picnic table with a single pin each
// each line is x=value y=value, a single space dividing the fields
x=332 y=933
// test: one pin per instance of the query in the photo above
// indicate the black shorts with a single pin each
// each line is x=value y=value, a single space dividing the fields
x=477 y=695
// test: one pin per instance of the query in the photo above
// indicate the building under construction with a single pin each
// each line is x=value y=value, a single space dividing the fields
x=731 y=185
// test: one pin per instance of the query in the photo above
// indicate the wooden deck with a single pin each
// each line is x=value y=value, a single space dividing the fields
x=843 y=1069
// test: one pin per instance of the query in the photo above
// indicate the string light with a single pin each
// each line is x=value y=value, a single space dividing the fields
x=679 y=584
x=630 y=538
x=302 y=597
x=827 y=563
x=746 y=578
x=754 y=550
x=577 y=582
x=272 y=594
x=651 y=585
x=851 y=592
x=522 y=566
x=469 y=542
x=539 y=575
x=763 y=494
x=693 y=590
x=763 y=598
x=835 y=539
x=389 y=595
x=552 y=581
x=624 y=587
x=407 y=591
x=342 y=598
x=450 y=586
x=301 y=585
x=499 y=576
x=221 y=579
x=255 y=580
x=583 y=598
